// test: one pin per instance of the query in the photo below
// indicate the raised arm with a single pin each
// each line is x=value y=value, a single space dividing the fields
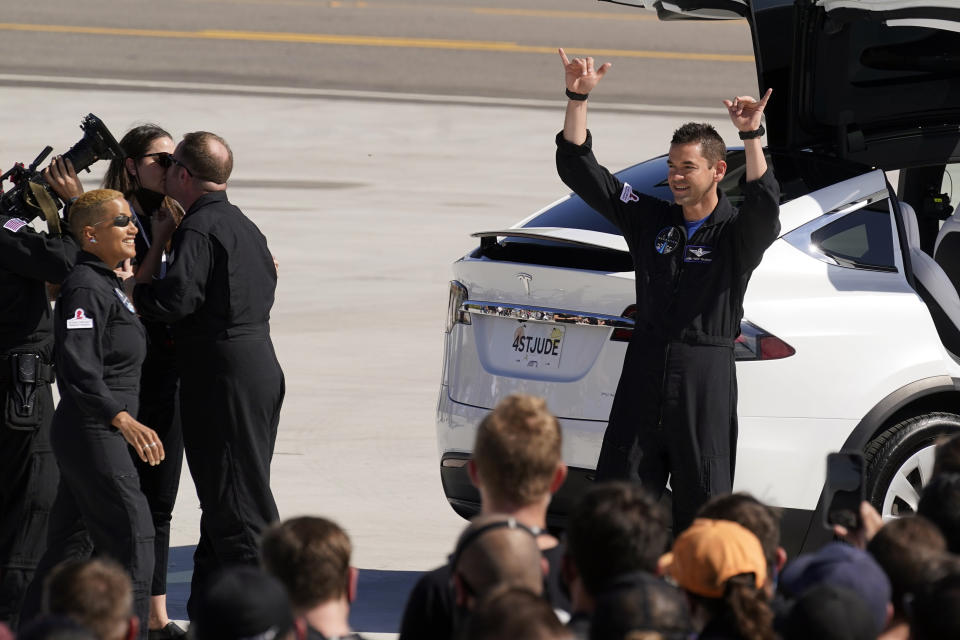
x=581 y=78
x=747 y=116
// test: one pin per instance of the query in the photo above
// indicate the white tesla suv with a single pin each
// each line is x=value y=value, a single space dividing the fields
x=851 y=333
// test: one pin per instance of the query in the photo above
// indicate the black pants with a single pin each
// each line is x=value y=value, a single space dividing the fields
x=230 y=401
x=160 y=410
x=674 y=415
x=28 y=485
x=99 y=504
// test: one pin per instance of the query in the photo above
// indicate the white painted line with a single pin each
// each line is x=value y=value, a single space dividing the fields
x=146 y=85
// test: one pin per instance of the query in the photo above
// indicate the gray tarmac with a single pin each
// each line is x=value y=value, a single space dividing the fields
x=365 y=203
x=491 y=48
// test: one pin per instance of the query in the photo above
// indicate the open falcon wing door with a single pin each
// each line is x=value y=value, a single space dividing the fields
x=691 y=9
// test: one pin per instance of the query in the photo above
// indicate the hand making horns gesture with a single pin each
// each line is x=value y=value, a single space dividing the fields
x=745 y=112
x=580 y=75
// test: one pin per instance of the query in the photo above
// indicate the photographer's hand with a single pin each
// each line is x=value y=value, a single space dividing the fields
x=62 y=178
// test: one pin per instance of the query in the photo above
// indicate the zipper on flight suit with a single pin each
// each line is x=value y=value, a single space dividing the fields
x=666 y=351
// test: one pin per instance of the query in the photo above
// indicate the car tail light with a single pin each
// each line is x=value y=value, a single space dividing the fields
x=458 y=294
x=624 y=334
x=756 y=344
x=753 y=343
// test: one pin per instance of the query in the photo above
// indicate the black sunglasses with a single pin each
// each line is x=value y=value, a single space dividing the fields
x=162 y=158
x=166 y=160
x=119 y=221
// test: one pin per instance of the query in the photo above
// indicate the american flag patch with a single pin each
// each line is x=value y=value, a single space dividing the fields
x=14 y=224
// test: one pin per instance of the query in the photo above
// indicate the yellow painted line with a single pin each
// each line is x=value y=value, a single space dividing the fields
x=367 y=41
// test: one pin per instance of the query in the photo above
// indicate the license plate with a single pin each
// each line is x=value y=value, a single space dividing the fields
x=536 y=345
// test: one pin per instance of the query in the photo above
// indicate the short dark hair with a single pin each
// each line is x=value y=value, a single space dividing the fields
x=742 y=508
x=515 y=613
x=196 y=153
x=134 y=144
x=96 y=593
x=641 y=603
x=615 y=528
x=940 y=503
x=310 y=556
x=935 y=610
x=947 y=455
x=903 y=548
x=518 y=449
x=711 y=144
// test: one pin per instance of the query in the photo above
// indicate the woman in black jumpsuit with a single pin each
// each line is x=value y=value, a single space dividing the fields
x=100 y=346
x=140 y=179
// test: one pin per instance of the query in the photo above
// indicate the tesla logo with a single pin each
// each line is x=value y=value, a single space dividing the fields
x=525 y=279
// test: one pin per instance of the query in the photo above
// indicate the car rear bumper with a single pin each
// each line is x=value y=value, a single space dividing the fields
x=465 y=500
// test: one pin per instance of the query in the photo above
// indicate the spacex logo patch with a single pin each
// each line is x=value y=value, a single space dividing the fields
x=627 y=194
x=668 y=239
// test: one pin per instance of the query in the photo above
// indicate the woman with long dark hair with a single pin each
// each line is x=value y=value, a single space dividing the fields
x=140 y=178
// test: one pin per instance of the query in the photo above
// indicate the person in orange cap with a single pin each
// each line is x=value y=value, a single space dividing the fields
x=721 y=567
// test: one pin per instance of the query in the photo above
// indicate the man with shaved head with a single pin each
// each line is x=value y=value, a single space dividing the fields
x=495 y=552
x=217 y=295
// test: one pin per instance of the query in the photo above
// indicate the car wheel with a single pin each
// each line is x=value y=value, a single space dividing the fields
x=899 y=461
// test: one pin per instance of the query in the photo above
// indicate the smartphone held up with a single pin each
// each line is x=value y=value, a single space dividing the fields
x=844 y=490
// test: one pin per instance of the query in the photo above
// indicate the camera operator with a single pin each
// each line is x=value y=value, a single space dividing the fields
x=28 y=472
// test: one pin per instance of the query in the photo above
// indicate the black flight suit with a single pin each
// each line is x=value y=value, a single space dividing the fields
x=100 y=346
x=159 y=410
x=217 y=295
x=28 y=470
x=675 y=410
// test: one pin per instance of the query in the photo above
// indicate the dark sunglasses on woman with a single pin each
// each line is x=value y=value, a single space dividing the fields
x=119 y=221
x=162 y=158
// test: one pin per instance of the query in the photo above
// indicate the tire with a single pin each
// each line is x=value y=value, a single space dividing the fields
x=899 y=461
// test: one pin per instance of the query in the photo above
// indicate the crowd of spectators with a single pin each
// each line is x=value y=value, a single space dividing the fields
x=617 y=572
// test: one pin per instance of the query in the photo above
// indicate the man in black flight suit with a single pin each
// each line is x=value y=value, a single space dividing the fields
x=28 y=471
x=217 y=296
x=675 y=410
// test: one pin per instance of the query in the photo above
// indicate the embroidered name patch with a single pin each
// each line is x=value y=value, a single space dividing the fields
x=14 y=224
x=695 y=253
x=125 y=300
x=668 y=239
x=627 y=194
x=80 y=321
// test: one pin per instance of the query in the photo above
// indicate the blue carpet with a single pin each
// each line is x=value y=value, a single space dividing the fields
x=381 y=595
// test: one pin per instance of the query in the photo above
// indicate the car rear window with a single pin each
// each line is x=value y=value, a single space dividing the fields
x=798 y=174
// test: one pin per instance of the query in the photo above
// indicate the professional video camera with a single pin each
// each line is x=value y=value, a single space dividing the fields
x=31 y=196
